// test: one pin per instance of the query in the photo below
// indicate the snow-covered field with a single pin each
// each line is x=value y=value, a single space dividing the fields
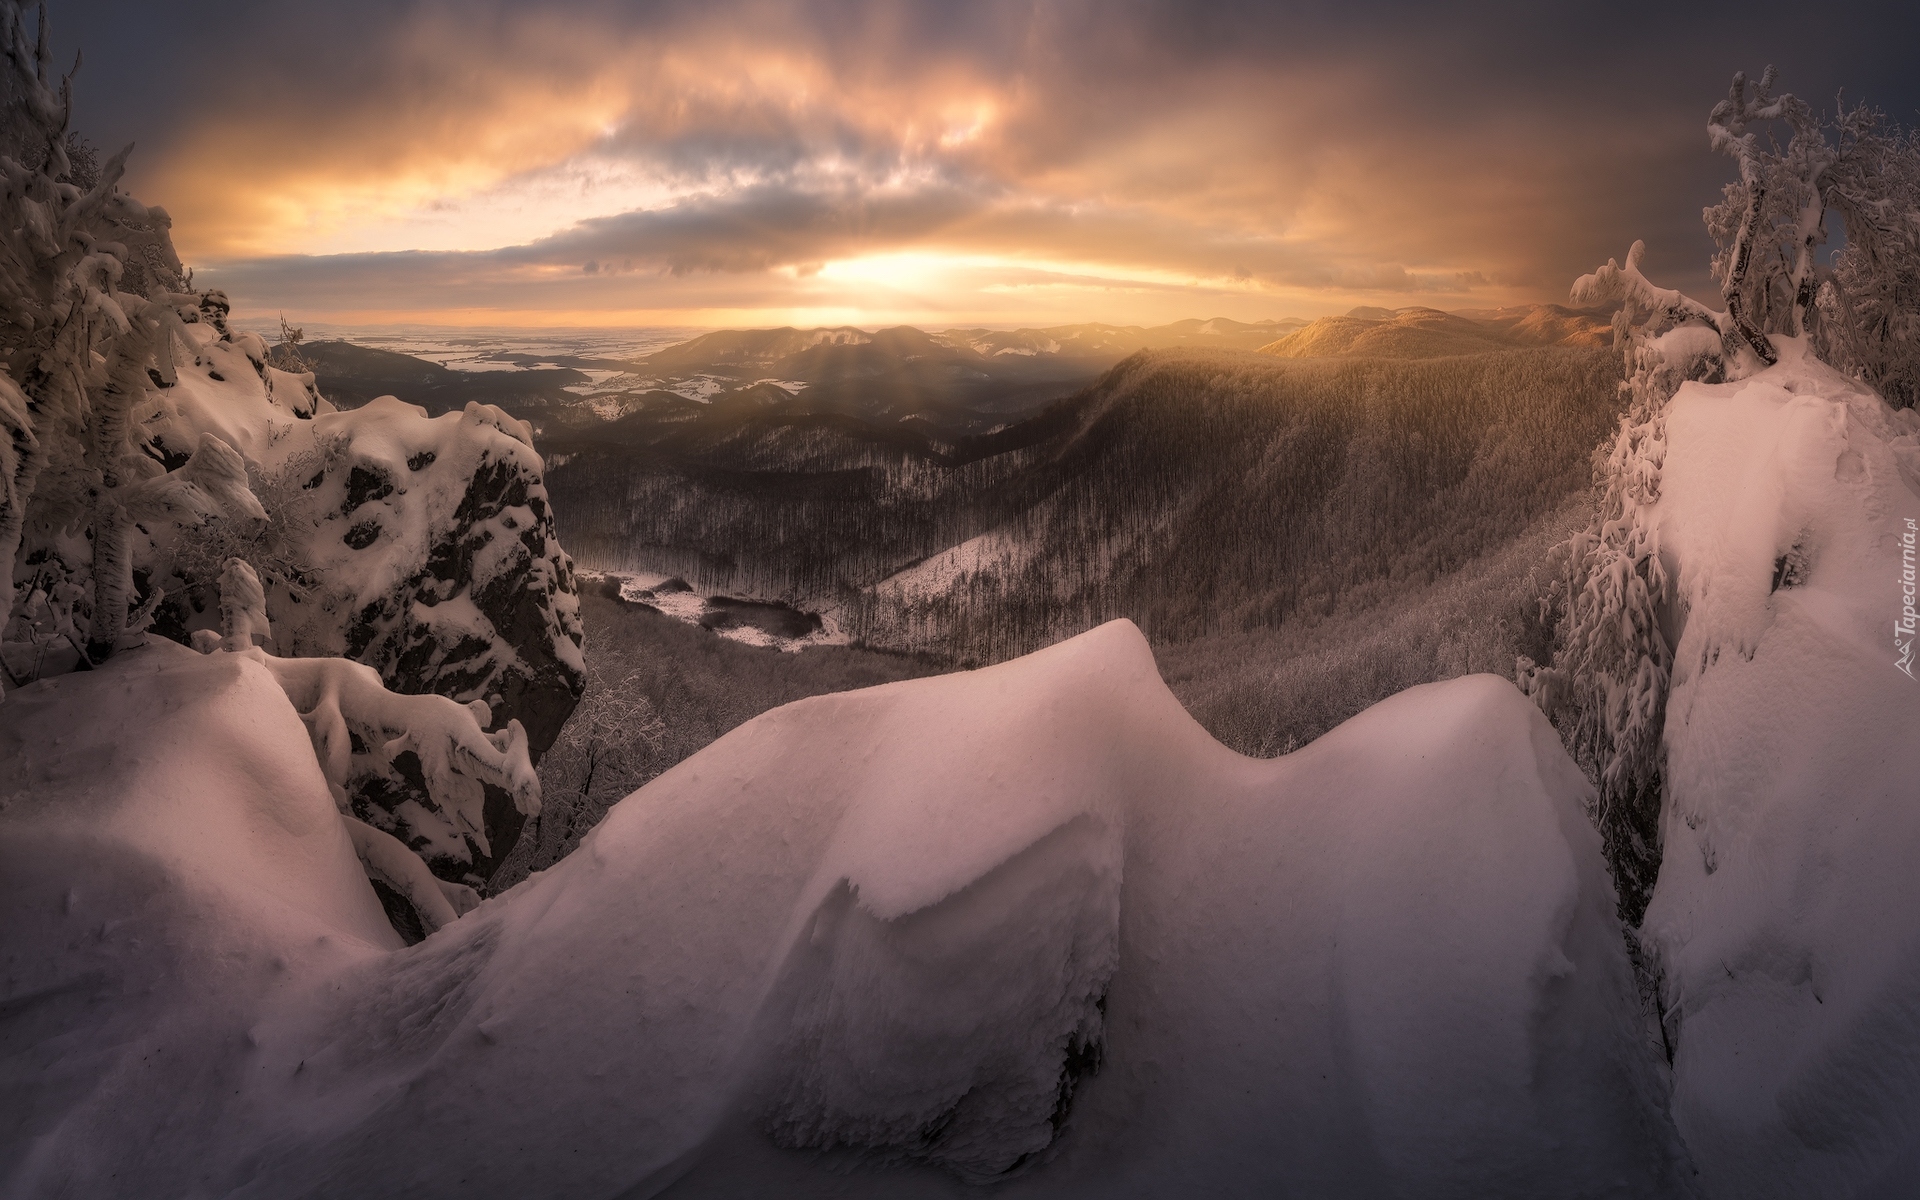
x=990 y=552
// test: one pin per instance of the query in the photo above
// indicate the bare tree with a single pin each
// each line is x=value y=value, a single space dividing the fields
x=608 y=748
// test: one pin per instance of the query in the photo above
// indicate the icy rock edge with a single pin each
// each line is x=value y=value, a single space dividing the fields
x=421 y=547
x=1028 y=924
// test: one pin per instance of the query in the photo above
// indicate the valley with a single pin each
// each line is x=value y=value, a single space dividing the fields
x=1303 y=517
x=1299 y=538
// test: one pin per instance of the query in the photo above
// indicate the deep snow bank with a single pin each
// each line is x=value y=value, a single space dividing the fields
x=1787 y=912
x=170 y=858
x=867 y=944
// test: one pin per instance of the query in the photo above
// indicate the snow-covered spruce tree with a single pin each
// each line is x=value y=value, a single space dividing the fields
x=1606 y=687
x=80 y=353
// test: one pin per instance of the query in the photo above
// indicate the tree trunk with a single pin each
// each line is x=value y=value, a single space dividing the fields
x=112 y=553
x=1737 y=272
x=1805 y=277
x=30 y=456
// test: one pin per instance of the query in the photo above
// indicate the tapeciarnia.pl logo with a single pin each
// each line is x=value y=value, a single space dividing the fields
x=1903 y=628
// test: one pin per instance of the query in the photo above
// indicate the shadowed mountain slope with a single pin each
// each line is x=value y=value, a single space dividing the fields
x=1187 y=490
x=1430 y=333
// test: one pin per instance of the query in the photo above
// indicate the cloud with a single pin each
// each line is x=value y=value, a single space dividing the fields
x=434 y=158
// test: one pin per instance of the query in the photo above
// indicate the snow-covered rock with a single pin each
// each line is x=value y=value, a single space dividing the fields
x=424 y=548
x=1787 y=912
x=1028 y=923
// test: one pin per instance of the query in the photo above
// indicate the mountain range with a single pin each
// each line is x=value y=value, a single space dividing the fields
x=1430 y=333
x=944 y=386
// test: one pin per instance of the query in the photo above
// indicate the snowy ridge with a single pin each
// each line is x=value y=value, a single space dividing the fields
x=1785 y=913
x=900 y=928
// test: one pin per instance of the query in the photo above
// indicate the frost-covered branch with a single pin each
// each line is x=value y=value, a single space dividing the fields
x=359 y=727
x=243 y=607
x=1728 y=130
x=1628 y=287
x=1862 y=313
x=385 y=858
x=361 y=730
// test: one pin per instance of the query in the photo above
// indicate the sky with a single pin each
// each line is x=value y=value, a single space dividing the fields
x=715 y=164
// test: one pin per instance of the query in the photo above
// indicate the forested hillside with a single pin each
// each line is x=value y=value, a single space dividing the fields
x=1429 y=333
x=1191 y=491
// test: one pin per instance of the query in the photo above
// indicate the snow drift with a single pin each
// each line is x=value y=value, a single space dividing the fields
x=1787 y=911
x=1028 y=924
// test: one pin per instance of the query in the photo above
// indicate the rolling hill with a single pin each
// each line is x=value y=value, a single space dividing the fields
x=1430 y=333
x=949 y=384
x=1117 y=341
x=350 y=375
x=941 y=387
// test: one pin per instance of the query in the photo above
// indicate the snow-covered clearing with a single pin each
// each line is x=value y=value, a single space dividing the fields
x=597 y=379
x=794 y=386
x=990 y=553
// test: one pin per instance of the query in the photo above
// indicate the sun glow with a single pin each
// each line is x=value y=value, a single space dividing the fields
x=933 y=271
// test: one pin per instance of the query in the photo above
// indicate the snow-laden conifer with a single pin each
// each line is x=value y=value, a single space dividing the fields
x=83 y=347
